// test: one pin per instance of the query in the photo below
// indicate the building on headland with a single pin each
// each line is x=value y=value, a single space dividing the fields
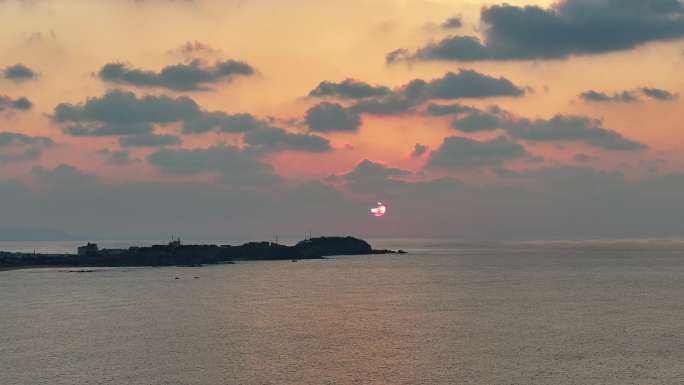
x=89 y=249
x=175 y=242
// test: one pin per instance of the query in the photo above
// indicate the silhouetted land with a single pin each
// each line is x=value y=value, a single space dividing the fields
x=176 y=254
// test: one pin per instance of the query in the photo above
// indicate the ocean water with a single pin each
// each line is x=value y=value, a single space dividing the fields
x=598 y=312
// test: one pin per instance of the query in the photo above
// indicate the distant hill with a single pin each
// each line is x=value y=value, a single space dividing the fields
x=177 y=254
x=34 y=234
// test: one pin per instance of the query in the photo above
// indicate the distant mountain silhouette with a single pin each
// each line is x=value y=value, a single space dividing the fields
x=176 y=254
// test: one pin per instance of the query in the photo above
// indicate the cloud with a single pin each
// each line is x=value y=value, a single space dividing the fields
x=571 y=128
x=348 y=89
x=549 y=203
x=234 y=165
x=194 y=49
x=69 y=198
x=16 y=147
x=560 y=128
x=569 y=27
x=180 y=77
x=398 y=55
x=658 y=94
x=478 y=121
x=602 y=97
x=149 y=140
x=120 y=113
x=452 y=23
x=124 y=113
x=11 y=138
x=63 y=174
x=19 y=72
x=449 y=109
x=470 y=84
x=116 y=158
x=21 y=104
x=109 y=129
x=329 y=117
x=461 y=85
x=222 y=122
x=584 y=158
x=419 y=150
x=124 y=108
x=461 y=152
x=628 y=96
x=277 y=139
x=389 y=105
x=369 y=170
x=373 y=179
x=40 y=38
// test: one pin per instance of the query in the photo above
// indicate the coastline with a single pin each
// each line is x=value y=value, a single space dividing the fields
x=11 y=268
x=180 y=255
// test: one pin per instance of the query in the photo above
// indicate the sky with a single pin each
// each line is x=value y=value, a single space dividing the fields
x=136 y=119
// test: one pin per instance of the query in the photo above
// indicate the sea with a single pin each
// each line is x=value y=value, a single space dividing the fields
x=448 y=312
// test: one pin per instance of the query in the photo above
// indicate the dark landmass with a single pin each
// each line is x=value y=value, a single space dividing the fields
x=177 y=254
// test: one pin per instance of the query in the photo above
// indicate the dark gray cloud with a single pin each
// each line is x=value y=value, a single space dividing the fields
x=234 y=165
x=469 y=84
x=222 y=122
x=119 y=113
x=452 y=23
x=368 y=170
x=21 y=104
x=329 y=117
x=570 y=27
x=124 y=108
x=124 y=113
x=19 y=72
x=348 y=89
x=461 y=152
x=277 y=139
x=560 y=128
x=553 y=203
x=602 y=97
x=478 y=121
x=388 y=105
x=17 y=147
x=407 y=98
x=180 y=77
x=584 y=158
x=398 y=55
x=116 y=158
x=419 y=150
x=372 y=178
x=67 y=198
x=448 y=109
x=658 y=94
x=571 y=128
x=107 y=129
x=63 y=174
x=149 y=140
x=628 y=96
x=11 y=138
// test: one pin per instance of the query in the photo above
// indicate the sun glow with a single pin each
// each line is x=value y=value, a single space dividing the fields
x=379 y=211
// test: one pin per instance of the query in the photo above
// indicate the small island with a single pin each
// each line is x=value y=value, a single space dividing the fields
x=177 y=254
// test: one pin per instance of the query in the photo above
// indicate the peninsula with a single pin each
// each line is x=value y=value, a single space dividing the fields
x=177 y=254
